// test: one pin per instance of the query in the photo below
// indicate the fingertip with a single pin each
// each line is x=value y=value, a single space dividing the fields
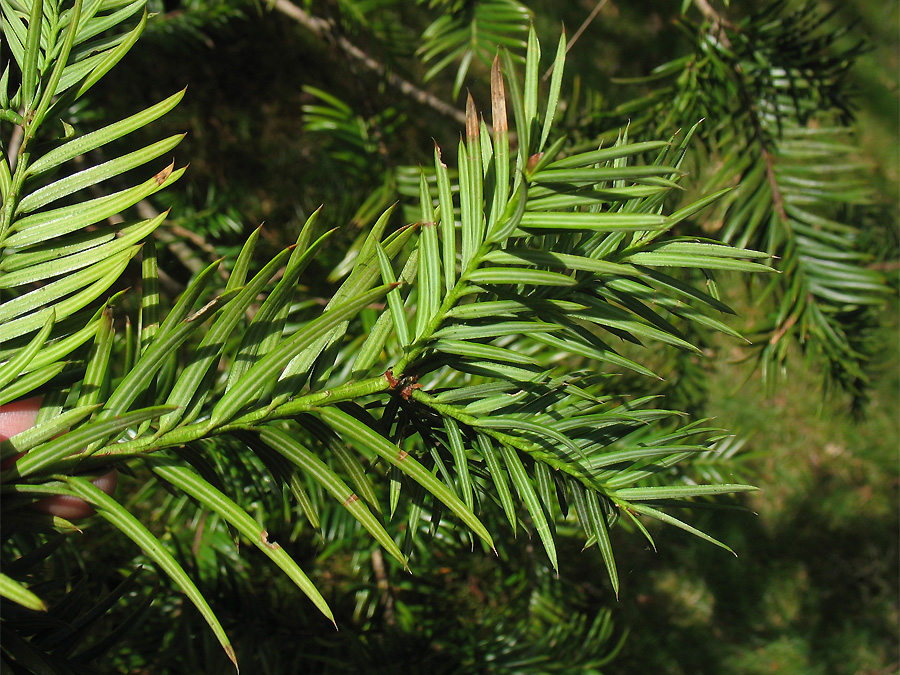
x=18 y=416
x=73 y=508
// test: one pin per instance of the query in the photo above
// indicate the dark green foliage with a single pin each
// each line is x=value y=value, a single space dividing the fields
x=772 y=88
x=326 y=410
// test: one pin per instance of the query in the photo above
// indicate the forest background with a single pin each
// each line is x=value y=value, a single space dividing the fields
x=814 y=588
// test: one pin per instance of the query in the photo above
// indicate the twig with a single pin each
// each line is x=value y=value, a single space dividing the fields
x=581 y=29
x=384 y=586
x=323 y=28
x=707 y=10
x=717 y=20
x=720 y=23
x=783 y=328
x=886 y=266
x=15 y=142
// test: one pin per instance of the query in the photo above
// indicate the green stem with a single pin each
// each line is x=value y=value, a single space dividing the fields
x=570 y=467
x=415 y=350
x=200 y=430
x=345 y=392
x=12 y=199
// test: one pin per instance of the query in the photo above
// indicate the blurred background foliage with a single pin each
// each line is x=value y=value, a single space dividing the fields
x=815 y=589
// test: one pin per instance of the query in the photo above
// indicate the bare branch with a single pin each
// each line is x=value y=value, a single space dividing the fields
x=324 y=28
x=581 y=29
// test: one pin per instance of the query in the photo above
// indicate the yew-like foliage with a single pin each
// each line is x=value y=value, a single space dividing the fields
x=464 y=367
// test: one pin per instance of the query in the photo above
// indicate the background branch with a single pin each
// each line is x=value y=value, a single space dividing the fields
x=322 y=28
